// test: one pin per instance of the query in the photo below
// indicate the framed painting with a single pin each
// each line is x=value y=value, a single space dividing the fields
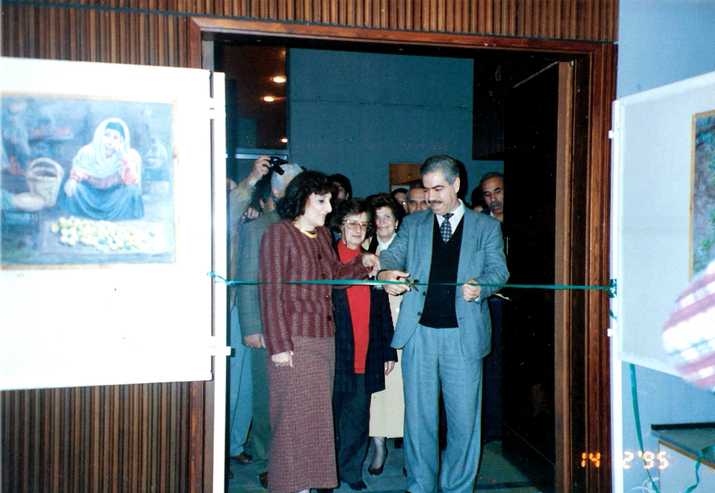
x=86 y=180
x=113 y=212
x=703 y=191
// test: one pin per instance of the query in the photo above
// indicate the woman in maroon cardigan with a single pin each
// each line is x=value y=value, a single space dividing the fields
x=299 y=332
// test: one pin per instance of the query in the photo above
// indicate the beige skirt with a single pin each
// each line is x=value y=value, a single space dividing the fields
x=387 y=408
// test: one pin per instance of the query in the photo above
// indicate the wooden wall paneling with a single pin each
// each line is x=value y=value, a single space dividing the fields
x=115 y=438
x=63 y=32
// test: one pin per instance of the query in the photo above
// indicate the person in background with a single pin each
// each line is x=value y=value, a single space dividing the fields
x=444 y=329
x=342 y=190
x=492 y=187
x=400 y=196
x=387 y=408
x=416 y=199
x=363 y=356
x=299 y=330
x=477 y=201
x=266 y=193
x=343 y=187
x=240 y=392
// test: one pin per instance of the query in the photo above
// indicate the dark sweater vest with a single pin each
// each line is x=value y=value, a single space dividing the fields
x=439 y=310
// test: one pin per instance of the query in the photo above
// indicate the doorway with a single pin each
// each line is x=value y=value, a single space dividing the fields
x=566 y=474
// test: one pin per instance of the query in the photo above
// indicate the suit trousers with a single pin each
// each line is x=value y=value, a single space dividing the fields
x=239 y=390
x=352 y=426
x=433 y=359
x=259 y=441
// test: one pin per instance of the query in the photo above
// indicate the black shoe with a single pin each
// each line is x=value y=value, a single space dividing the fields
x=376 y=471
x=324 y=490
x=263 y=479
x=360 y=485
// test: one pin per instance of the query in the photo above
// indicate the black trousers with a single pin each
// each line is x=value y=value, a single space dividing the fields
x=492 y=409
x=352 y=426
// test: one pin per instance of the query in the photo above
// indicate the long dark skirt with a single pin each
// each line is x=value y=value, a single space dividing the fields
x=303 y=446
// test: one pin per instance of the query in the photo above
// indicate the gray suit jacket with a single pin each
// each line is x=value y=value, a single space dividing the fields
x=246 y=268
x=481 y=257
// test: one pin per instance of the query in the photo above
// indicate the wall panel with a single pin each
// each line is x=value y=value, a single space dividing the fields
x=113 y=438
x=154 y=31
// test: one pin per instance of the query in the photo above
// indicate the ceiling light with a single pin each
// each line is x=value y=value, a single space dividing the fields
x=268 y=99
x=279 y=79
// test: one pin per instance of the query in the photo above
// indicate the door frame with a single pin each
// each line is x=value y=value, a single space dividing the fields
x=583 y=218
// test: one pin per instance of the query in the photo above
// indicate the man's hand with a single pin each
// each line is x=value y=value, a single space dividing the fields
x=471 y=290
x=394 y=275
x=260 y=169
x=389 y=366
x=254 y=341
x=372 y=262
x=283 y=359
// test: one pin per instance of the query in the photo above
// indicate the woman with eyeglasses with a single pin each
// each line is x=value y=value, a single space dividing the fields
x=299 y=333
x=363 y=356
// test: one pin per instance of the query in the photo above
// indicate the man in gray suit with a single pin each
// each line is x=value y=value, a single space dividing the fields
x=444 y=329
x=244 y=266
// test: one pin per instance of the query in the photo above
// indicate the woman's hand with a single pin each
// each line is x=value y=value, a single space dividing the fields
x=282 y=359
x=389 y=366
x=371 y=261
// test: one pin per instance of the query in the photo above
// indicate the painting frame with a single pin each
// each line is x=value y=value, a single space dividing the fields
x=124 y=322
x=45 y=143
x=702 y=191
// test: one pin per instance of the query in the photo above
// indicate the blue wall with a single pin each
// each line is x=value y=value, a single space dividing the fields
x=662 y=41
x=353 y=113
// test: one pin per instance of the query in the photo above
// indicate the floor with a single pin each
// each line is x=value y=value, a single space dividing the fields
x=496 y=475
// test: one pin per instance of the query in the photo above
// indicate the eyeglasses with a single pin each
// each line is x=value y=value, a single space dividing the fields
x=356 y=225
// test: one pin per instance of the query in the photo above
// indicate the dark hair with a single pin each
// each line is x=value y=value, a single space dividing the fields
x=344 y=182
x=261 y=192
x=299 y=189
x=386 y=200
x=349 y=207
x=398 y=190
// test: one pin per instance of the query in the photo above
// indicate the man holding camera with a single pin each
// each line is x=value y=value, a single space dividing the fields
x=260 y=190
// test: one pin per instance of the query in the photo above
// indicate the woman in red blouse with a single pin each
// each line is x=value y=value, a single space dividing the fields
x=299 y=333
x=363 y=356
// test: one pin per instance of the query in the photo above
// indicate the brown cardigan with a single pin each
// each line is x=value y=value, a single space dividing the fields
x=289 y=310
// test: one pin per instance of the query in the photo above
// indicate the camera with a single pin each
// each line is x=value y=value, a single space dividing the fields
x=275 y=164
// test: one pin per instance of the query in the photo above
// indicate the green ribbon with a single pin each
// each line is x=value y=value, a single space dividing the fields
x=610 y=288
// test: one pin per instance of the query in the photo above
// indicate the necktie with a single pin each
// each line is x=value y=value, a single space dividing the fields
x=446 y=228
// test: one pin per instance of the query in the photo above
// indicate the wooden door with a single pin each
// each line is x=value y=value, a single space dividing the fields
x=531 y=149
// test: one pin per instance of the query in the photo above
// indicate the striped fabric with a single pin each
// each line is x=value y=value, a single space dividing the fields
x=689 y=333
x=303 y=310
